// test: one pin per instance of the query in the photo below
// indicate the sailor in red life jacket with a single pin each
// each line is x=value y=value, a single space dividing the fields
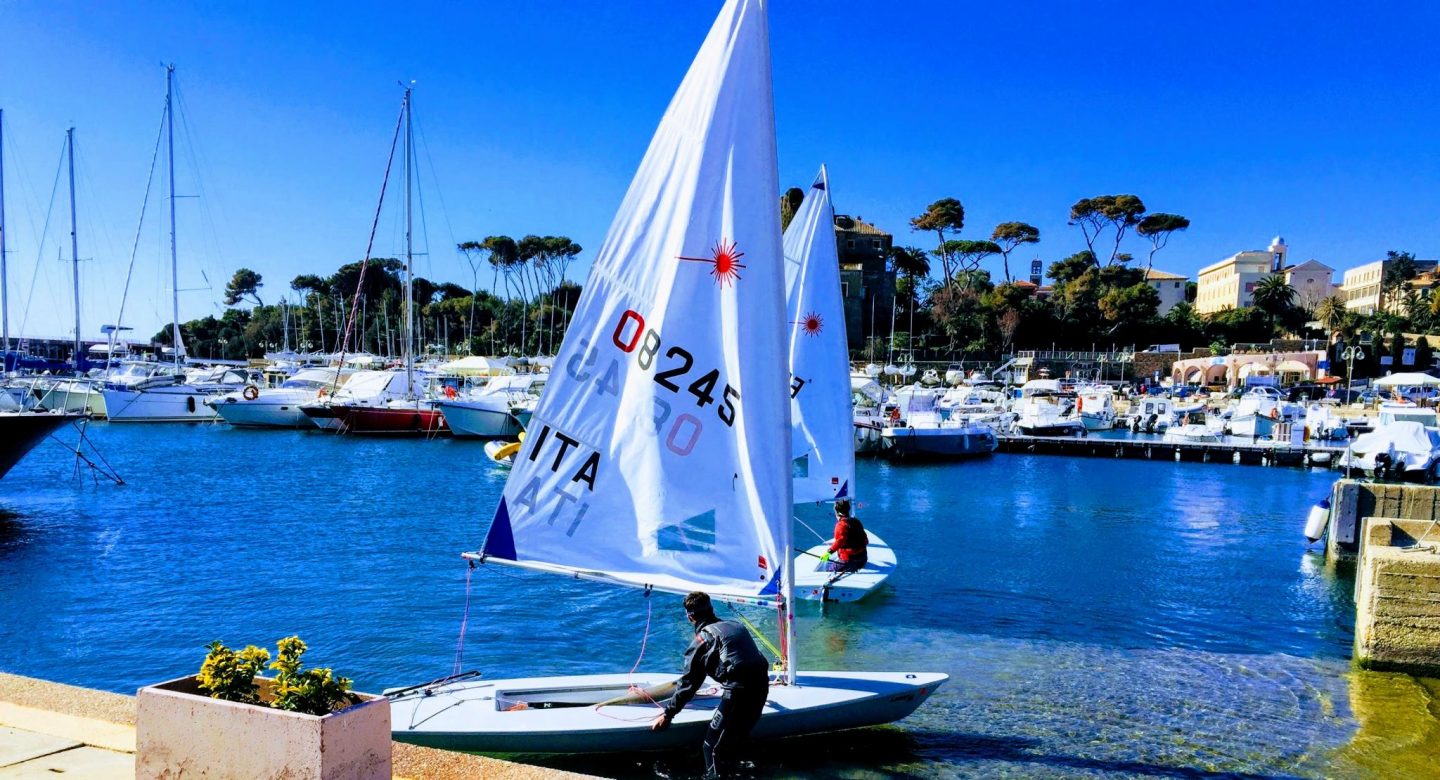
x=850 y=541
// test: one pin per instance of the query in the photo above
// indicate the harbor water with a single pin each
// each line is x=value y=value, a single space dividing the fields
x=1098 y=618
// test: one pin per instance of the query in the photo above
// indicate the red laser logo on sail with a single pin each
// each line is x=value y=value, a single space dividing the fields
x=725 y=262
x=811 y=324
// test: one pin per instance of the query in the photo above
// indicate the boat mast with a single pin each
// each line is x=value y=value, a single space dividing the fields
x=74 y=244
x=4 y=283
x=409 y=256
x=174 y=264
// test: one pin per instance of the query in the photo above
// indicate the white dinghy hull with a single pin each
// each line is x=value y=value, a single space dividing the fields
x=813 y=583
x=511 y=716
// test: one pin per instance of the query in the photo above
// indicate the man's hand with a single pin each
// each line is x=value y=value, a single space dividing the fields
x=661 y=722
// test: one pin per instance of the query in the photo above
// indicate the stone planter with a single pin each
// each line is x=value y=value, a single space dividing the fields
x=181 y=732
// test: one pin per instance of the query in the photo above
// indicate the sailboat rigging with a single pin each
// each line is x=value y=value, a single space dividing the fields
x=652 y=458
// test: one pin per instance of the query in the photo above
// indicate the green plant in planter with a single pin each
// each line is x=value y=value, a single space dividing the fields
x=313 y=691
x=229 y=675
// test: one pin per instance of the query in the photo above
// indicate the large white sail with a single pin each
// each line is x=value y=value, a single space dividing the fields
x=659 y=454
x=822 y=422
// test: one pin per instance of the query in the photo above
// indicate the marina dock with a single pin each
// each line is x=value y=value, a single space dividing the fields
x=1255 y=453
x=48 y=729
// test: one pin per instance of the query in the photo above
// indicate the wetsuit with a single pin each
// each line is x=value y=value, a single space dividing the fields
x=724 y=652
x=849 y=545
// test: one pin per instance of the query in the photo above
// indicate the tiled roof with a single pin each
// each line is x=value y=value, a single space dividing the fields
x=1164 y=276
x=855 y=225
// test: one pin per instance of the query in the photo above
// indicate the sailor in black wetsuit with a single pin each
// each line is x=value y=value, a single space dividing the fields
x=723 y=651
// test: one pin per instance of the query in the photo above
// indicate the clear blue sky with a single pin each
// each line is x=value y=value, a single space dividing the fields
x=1317 y=122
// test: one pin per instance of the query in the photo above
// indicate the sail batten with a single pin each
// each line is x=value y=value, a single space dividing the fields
x=659 y=453
x=822 y=435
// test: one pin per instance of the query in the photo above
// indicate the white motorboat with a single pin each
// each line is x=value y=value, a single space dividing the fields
x=1192 y=433
x=1044 y=409
x=1258 y=411
x=495 y=410
x=1400 y=450
x=172 y=397
x=814 y=581
x=278 y=407
x=868 y=418
x=1405 y=411
x=77 y=395
x=1155 y=414
x=1323 y=424
x=1096 y=407
x=656 y=472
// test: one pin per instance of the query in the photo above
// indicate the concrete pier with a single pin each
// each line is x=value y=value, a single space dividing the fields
x=1353 y=500
x=1397 y=596
x=1248 y=452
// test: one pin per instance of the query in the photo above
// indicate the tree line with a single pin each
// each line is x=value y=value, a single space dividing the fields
x=524 y=312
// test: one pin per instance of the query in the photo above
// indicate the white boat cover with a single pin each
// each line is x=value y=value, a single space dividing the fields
x=1399 y=437
x=476 y=365
x=659 y=453
x=821 y=426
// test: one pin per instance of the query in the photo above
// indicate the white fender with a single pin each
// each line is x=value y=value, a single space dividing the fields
x=1319 y=517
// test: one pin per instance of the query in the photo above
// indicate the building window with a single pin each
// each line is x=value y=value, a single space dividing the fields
x=850 y=243
x=875 y=243
x=1249 y=287
x=844 y=289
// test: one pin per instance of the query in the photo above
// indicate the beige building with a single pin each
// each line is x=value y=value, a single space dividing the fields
x=1230 y=283
x=1313 y=282
x=1170 y=286
x=1361 y=287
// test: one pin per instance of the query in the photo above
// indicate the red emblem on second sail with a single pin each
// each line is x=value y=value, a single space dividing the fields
x=724 y=261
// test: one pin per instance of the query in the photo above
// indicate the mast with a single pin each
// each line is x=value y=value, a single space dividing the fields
x=174 y=263
x=4 y=283
x=409 y=255
x=74 y=244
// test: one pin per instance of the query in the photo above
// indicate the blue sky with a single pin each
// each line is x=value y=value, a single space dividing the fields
x=1318 y=123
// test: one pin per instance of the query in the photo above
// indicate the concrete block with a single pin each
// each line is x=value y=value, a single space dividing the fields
x=17 y=745
x=1397 y=597
x=182 y=732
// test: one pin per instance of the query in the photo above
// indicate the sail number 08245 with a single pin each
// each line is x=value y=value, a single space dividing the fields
x=632 y=337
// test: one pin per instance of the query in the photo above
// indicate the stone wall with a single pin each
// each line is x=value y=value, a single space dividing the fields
x=1397 y=596
x=1352 y=500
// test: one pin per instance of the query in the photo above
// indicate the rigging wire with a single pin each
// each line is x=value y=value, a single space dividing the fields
x=370 y=245
x=144 y=204
x=44 y=232
x=200 y=166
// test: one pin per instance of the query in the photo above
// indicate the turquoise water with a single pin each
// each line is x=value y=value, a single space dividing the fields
x=1099 y=618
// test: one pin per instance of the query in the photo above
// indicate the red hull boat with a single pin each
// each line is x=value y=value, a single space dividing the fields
x=418 y=420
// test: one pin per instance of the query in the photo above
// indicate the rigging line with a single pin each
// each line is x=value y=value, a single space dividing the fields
x=202 y=170
x=464 y=622
x=439 y=191
x=374 y=225
x=139 y=228
x=764 y=640
x=44 y=232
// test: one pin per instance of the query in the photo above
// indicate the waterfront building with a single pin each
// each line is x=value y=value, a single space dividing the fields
x=1236 y=369
x=1362 y=285
x=1230 y=283
x=1171 y=288
x=866 y=281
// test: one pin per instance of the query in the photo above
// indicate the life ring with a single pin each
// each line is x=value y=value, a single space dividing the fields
x=250 y=393
x=895 y=414
x=323 y=392
x=450 y=391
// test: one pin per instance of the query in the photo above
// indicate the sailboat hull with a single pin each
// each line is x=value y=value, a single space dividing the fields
x=172 y=403
x=414 y=420
x=814 y=583
x=521 y=716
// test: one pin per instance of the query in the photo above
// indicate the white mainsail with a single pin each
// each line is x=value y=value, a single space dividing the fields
x=659 y=452
x=822 y=435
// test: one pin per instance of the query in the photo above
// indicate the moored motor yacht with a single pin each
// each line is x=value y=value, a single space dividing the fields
x=169 y=396
x=498 y=410
x=278 y=407
x=1044 y=409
